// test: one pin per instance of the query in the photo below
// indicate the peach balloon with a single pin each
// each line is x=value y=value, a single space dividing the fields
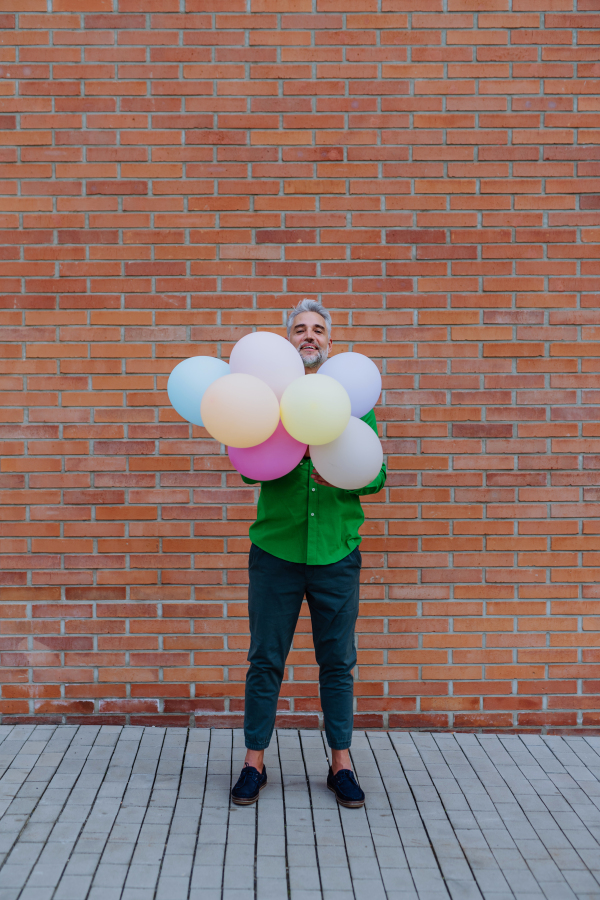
x=240 y=410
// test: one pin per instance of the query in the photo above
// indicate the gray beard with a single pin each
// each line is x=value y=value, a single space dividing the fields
x=315 y=361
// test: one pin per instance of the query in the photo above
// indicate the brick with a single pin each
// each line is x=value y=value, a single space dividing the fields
x=132 y=525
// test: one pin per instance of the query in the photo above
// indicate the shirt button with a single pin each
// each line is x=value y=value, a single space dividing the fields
x=312 y=514
x=314 y=489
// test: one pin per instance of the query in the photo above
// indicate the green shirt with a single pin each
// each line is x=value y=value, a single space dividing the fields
x=304 y=522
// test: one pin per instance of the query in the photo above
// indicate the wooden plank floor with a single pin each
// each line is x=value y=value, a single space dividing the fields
x=111 y=813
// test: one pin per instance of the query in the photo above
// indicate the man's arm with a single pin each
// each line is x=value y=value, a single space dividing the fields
x=372 y=488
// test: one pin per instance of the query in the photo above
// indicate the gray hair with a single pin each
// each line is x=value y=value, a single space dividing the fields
x=308 y=305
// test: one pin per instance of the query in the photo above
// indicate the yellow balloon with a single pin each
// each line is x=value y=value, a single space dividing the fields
x=239 y=410
x=315 y=409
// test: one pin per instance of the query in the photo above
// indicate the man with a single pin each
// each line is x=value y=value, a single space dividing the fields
x=304 y=542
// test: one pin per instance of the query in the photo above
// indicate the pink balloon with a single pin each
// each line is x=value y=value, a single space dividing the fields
x=272 y=459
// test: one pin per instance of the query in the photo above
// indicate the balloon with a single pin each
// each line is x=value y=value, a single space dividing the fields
x=188 y=382
x=269 y=357
x=315 y=409
x=359 y=375
x=352 y=460
x=240 y=410
x=272 y=459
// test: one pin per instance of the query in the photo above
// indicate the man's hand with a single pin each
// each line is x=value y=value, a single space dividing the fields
x=317 y=478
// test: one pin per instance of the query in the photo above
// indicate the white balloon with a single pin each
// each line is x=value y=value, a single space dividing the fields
x=359 y=375
x=267 y=356
x=353 y=460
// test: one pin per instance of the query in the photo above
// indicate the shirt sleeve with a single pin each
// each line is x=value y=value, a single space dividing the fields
x=376 y=485
x=248 y=480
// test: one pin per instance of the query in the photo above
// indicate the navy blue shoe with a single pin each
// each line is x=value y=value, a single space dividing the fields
x=346 y=788
x=249 y=785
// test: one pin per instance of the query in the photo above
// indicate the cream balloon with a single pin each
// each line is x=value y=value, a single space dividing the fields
x=267 y=356
x=315 y=409
x=239 y=410
x=352 y=460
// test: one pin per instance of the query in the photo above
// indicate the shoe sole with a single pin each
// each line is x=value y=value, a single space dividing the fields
x=251 y=801
x=349 y=804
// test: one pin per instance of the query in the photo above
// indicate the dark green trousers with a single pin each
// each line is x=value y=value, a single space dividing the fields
x=277 y=589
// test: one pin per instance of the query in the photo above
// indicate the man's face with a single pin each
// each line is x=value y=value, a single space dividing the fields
x=310 y=338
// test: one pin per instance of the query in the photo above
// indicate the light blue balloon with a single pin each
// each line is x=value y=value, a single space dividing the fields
x=188 y=382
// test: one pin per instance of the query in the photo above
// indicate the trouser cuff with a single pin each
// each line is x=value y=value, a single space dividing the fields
x=340 y=745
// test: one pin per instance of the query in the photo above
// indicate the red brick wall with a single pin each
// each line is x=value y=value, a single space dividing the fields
x=173 y=179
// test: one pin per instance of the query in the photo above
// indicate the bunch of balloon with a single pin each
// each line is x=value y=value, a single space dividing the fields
x=264 y=409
